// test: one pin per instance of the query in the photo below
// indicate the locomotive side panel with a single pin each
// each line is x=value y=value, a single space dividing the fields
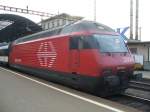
x=50 y=54
x=89 y=63
x=50 y=59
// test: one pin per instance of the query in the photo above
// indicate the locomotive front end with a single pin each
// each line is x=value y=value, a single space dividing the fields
x=116 y=63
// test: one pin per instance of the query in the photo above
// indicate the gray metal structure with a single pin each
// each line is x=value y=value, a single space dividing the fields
x=25 y=11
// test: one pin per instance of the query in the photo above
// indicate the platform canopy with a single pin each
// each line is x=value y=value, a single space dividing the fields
x=14 y=26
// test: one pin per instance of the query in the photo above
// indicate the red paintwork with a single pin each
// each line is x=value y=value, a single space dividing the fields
x=89 y=62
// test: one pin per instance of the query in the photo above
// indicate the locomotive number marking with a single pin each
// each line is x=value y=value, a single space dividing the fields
x=17 y=60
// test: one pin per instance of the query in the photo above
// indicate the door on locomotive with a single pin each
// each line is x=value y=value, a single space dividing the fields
x=75 y=46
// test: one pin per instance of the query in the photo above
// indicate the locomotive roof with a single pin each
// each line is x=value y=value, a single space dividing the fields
x=84 y=25
x=68 y=29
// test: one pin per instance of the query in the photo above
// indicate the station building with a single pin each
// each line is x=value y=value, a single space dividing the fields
x=58 y=21
x=141 y=49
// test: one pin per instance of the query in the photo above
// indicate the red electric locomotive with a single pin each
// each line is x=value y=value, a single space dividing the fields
x=85 y=55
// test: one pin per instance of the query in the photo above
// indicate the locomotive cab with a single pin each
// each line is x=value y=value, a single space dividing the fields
x=104 y=56
x=98 y=51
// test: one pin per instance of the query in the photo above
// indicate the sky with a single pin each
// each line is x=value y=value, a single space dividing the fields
x=114 y=13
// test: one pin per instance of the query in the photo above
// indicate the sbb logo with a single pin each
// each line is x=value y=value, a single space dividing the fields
x=46 y=54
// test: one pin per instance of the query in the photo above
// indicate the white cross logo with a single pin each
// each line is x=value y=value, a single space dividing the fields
x=46 y=54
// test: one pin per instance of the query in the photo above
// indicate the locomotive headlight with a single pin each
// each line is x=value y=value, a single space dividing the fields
x=107 y=71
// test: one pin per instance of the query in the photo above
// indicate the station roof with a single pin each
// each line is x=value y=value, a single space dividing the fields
x=14 y=26
x=138 y=42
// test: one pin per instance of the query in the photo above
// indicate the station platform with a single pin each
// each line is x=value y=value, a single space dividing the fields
x=23 y=93
x=146 y=74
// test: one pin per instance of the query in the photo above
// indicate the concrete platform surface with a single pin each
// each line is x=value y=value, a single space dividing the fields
x=21 y=93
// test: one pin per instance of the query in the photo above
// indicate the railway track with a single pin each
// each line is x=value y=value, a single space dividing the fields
x=137 y=97
x=140 y=85
x=132 y=101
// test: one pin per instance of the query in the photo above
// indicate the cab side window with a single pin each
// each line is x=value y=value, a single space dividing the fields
x=80 y=42
x=90 y=43
x=76 y=42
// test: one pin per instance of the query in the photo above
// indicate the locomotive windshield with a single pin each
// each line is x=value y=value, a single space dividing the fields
x=110 y=43
x=106 y=43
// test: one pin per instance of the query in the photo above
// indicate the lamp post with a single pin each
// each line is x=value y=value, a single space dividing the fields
x=137 y=20
x=131 y=19
x=94 y=10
